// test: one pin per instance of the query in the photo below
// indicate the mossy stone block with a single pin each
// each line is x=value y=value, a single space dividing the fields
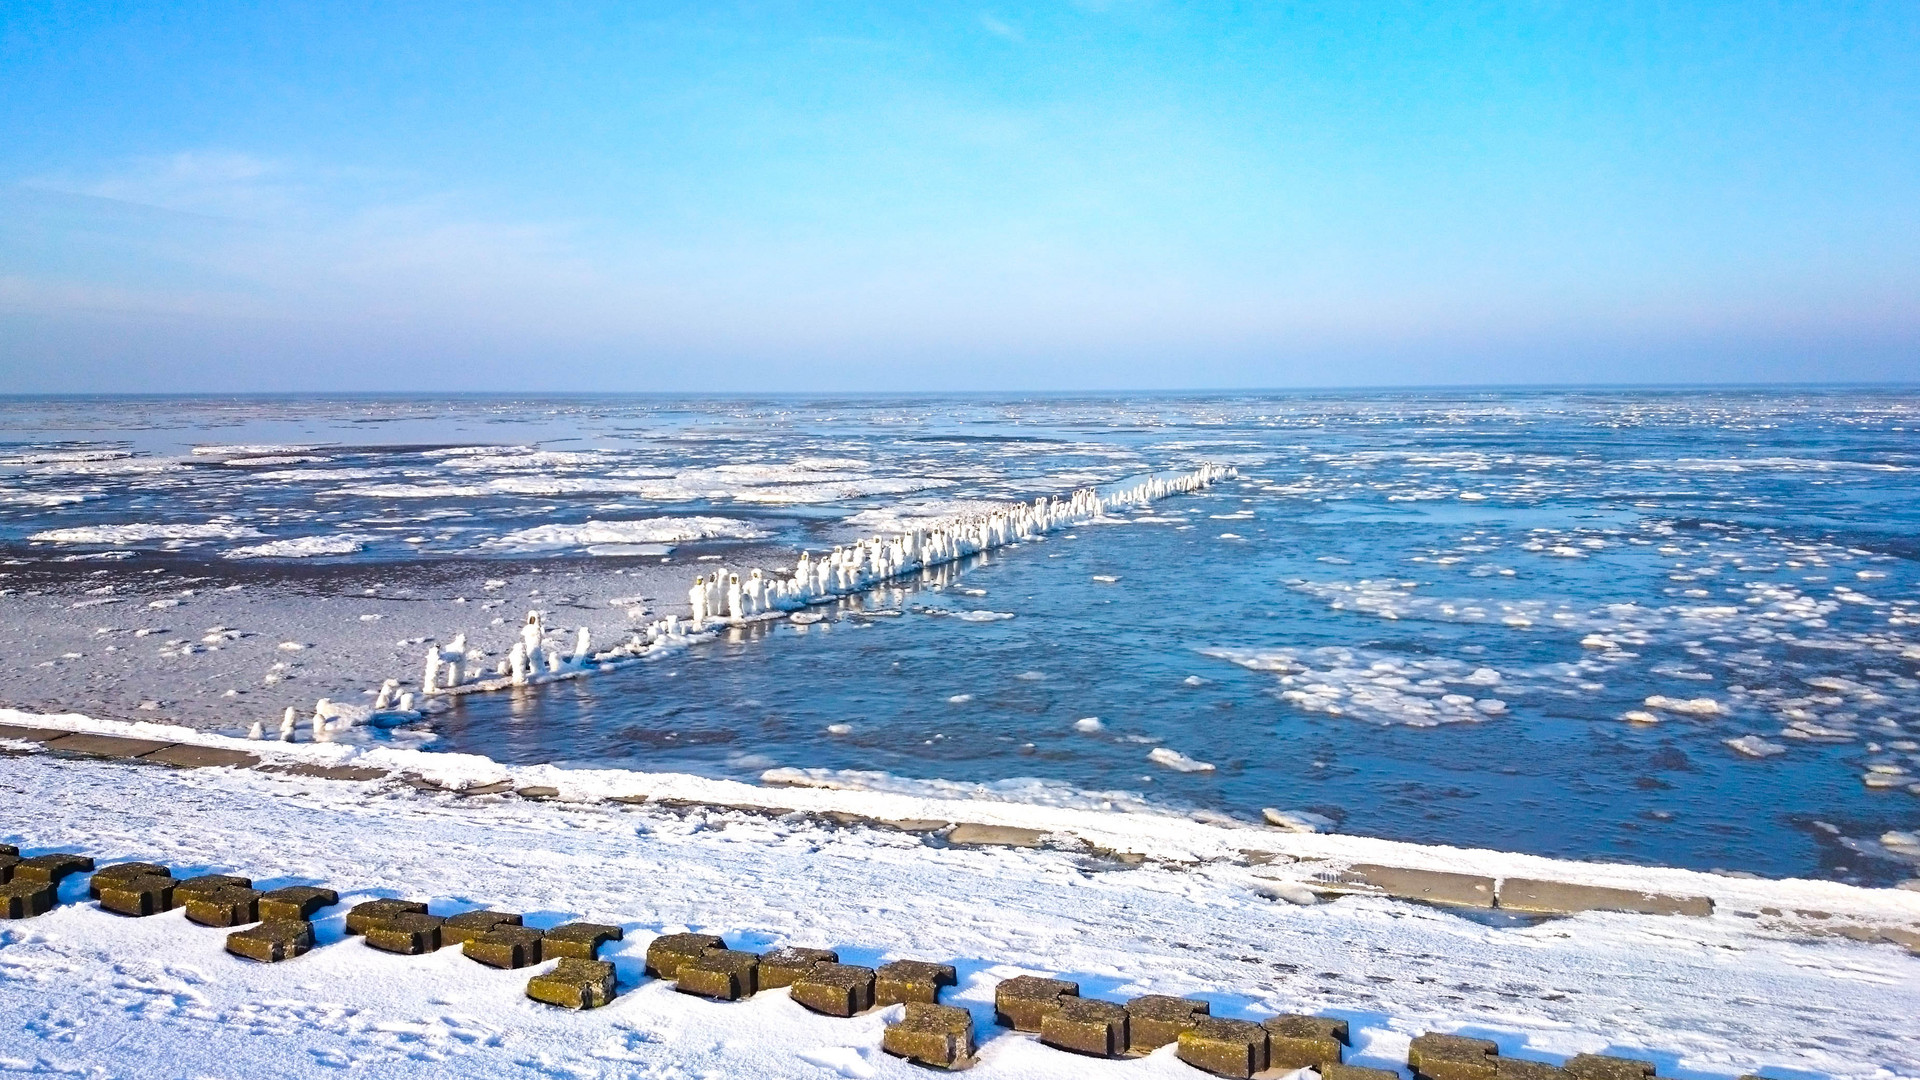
x=1224 y=1047
x=505 y=947
x=1335 y=1071
x=1608 y=1067
x=409 y=934
x=580 y=940
x=296 y=902
x=272 y=941
x=138 y=896
x=231 y=905
x=1086 y=1026
x=124 y=870
x=7 y=862
x=186 y=888
x=1434 y=1056
x=51 y=869
x=720 y=974
x=902 y=981
x=1304 y=1042
x=375 y=912
x=835 y=989
x=1023 y=1001
x=574 y=984
x=668 y=952
x=1522 y=1069
x=25 y=899
x=9 y=849
x=1154 y=1020
x=782 y=966
x=464 y=927
x=936 y=1035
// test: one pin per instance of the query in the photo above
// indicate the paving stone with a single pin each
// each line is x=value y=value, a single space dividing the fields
x=499 y=787
x=1154 y=1020
x=124 y=870
x=538 y=792
x=1607 y=1067
x=296 y=902
x=923 y=825
x=835 y=989
x=1434 y=1056
x=272 y=941
x=187 y=888
x=25 y=899
x=1086 y=1026
x=1426 y=886
x=1521 y=1069
x=581 y=940
x=721 y=974
x=375 y=912
x=1331 y=1071
x=138 y=896
x=327 y=772
x=911 y=980
x=230 y=905
x=464 y=927
x=409 y=934
x=31 y=734
x=669 y=951
x=189 y=756
x=1303 y=1042
x=1224 y=1047
x=936 y=1035
x=574 y=984
x=106 y=746
x=1023 y=1001
x=1562 y=898
x=505 y=947
x=971 y=835
x=50 y=869
x=782 y=966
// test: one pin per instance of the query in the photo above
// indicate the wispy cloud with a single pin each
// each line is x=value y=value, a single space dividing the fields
x=1001 y=29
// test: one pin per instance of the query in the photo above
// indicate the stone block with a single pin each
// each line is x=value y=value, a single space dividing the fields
x=1563 y=898
x=902 y=981
x=124 y=870
x=1607 y=1067
x=230 y=905
x=51 y=869
x=1304 y=1042
x=327 y=772
x=669 y=951
x=1086 y=1026
x=138 y=896
x=189 y=756
x=8 y=849
x=1332 y=1071
x=1021 y=1003
x=1154 y=1020
x=31 y=734
x=1434 y=1056
x=272 y=941
x=971 y=835
x=375 y=912
x=7 y=863
x=1224 y=1047
x=835 y=989
x=574 y=984
x=295 y=902
x=464 y=927
x=25 y=899
x=409 y=934
x=106 y=746
x=936 y=1035
x=1425 y=886
x=498 y=787
x=782 y=966
x=186 y=888
x=538 y=793
x=720 y=974
x=1522 y=1069
x=505 y=947
x=581 y=940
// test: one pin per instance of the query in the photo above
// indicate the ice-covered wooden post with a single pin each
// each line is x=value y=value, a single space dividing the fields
x=287 y=722
x=582 y=648
x=517 y=663
x=432 y=669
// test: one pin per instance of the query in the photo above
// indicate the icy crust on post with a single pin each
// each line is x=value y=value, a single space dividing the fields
x=1300 y=861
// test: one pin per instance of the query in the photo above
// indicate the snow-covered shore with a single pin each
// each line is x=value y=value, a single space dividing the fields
x=84 y=992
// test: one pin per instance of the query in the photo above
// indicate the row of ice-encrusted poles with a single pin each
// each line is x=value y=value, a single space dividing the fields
x=726 y=598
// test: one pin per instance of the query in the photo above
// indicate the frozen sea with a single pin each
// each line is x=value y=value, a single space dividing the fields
x=1676 y=627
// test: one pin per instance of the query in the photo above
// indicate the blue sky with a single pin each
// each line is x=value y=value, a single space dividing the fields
x=1050 y=196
